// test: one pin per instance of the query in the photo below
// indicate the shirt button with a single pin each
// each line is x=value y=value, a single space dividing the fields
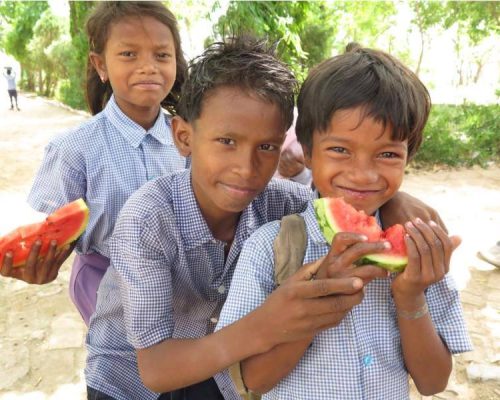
x=367 y=360
x=221 y=289
x=213 y=320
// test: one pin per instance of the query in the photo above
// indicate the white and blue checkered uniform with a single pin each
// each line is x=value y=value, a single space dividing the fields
x=168 y=278
x=103 y=161
x=361 y=358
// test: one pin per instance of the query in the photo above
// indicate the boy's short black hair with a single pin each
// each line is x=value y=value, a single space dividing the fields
x=388 y=91
x=242 y=62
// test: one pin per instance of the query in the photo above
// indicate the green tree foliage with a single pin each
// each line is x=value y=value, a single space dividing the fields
x=478 y=19
x=72 y=88
x=21 y=17
x=462 y=135
x=44 y=55
x=303 y=31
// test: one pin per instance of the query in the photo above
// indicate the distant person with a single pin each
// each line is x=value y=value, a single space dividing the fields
x=10 y=76
x=126 y=143
x=360 y=119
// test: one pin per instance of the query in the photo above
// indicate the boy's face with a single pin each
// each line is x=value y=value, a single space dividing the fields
x=357 y=160
x=234 y=147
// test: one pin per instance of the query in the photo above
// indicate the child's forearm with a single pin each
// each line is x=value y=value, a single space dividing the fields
x=263 y=371
x=177 y=363
x=427 y=358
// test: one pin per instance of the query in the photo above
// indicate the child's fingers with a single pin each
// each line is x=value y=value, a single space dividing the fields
x=307 y=271
x=44 y=270
x=368 y=273
x=347 y=258
x=339 y=305
x=6 y=269
x=425 y=268
x=31 y=262
x=412 y=270
x=450 y=243
x=327 y=287
x=342 y=241
x=436 y=248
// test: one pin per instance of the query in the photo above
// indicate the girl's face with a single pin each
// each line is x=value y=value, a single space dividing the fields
x=357 y=160
x=139 y=62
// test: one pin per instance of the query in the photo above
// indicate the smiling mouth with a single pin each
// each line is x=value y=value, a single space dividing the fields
x=240 y=191
x=357 y=192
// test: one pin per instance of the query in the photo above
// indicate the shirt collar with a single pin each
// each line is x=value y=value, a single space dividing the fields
x=192 y=225
x=133 y=133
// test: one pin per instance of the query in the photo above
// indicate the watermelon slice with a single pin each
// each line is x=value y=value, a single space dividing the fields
x=335 y=215
x=65 y=225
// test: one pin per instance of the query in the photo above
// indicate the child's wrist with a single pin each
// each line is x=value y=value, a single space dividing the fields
x=411 y=308
x=414 y=314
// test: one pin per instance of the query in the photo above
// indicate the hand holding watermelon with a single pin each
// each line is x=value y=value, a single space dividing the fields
x=429 y=251
x=34 y=253
x=346 y=249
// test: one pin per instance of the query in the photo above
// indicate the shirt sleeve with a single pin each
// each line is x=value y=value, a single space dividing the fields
x=446 y=312
x=60 y=180
x=253 y=279
x=143 y=266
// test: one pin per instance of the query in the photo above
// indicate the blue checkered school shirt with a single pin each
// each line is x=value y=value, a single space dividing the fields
x=361 y=358
x=103 y=161
x=168 y=278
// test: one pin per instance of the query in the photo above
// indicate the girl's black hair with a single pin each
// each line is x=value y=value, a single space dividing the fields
x=386 y=89
x=242 y=62
x=98 y=26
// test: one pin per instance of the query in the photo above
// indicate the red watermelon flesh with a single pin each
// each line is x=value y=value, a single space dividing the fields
x=64 y=225
x=335 y=215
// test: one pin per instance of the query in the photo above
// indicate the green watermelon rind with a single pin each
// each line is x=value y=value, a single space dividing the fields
x=389 y=262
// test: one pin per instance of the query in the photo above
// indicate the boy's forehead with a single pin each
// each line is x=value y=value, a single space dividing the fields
x=239 y=112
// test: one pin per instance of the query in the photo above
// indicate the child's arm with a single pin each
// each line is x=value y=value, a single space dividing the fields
x=263 y=371
x=402 y=208
x=293 y=312
x=37 y=270
x=426 y=356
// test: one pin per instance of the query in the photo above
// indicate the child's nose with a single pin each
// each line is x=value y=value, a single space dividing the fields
x=148 y=65
x=363 y=173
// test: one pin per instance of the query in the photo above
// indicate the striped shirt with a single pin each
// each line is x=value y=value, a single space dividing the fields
x=359 y=359
x=168 y=277
x=103 y=161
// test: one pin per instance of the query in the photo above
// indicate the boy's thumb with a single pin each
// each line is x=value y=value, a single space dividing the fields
x=455 y=241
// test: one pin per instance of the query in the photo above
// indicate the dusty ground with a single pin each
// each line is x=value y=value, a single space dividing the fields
x=41 y=335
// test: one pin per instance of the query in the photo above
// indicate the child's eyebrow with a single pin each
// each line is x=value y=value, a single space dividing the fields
x=164 y=45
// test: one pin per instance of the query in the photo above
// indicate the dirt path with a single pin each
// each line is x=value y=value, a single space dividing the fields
x=42 y=351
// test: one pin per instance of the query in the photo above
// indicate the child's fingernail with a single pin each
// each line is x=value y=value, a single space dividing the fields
x=418 y=221
x=409 y=224
x=387 y=245
x=364 y=237
x=357 y=284
x=432 y=223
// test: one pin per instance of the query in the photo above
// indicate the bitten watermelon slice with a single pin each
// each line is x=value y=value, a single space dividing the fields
x=64 y=225
x=335 y=215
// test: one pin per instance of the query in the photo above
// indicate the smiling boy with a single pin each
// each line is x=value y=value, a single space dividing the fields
x=360 y=119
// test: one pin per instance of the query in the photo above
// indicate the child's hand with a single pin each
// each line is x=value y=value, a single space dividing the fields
x=429 y=253
x=345 y=250
x=37 y=270
x=402 y=207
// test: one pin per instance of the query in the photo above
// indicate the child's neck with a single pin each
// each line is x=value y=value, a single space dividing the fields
x=223 y=229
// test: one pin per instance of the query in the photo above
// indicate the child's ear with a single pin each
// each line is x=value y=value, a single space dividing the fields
x=307 y=156
x=182 y=132
x=100 y=65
